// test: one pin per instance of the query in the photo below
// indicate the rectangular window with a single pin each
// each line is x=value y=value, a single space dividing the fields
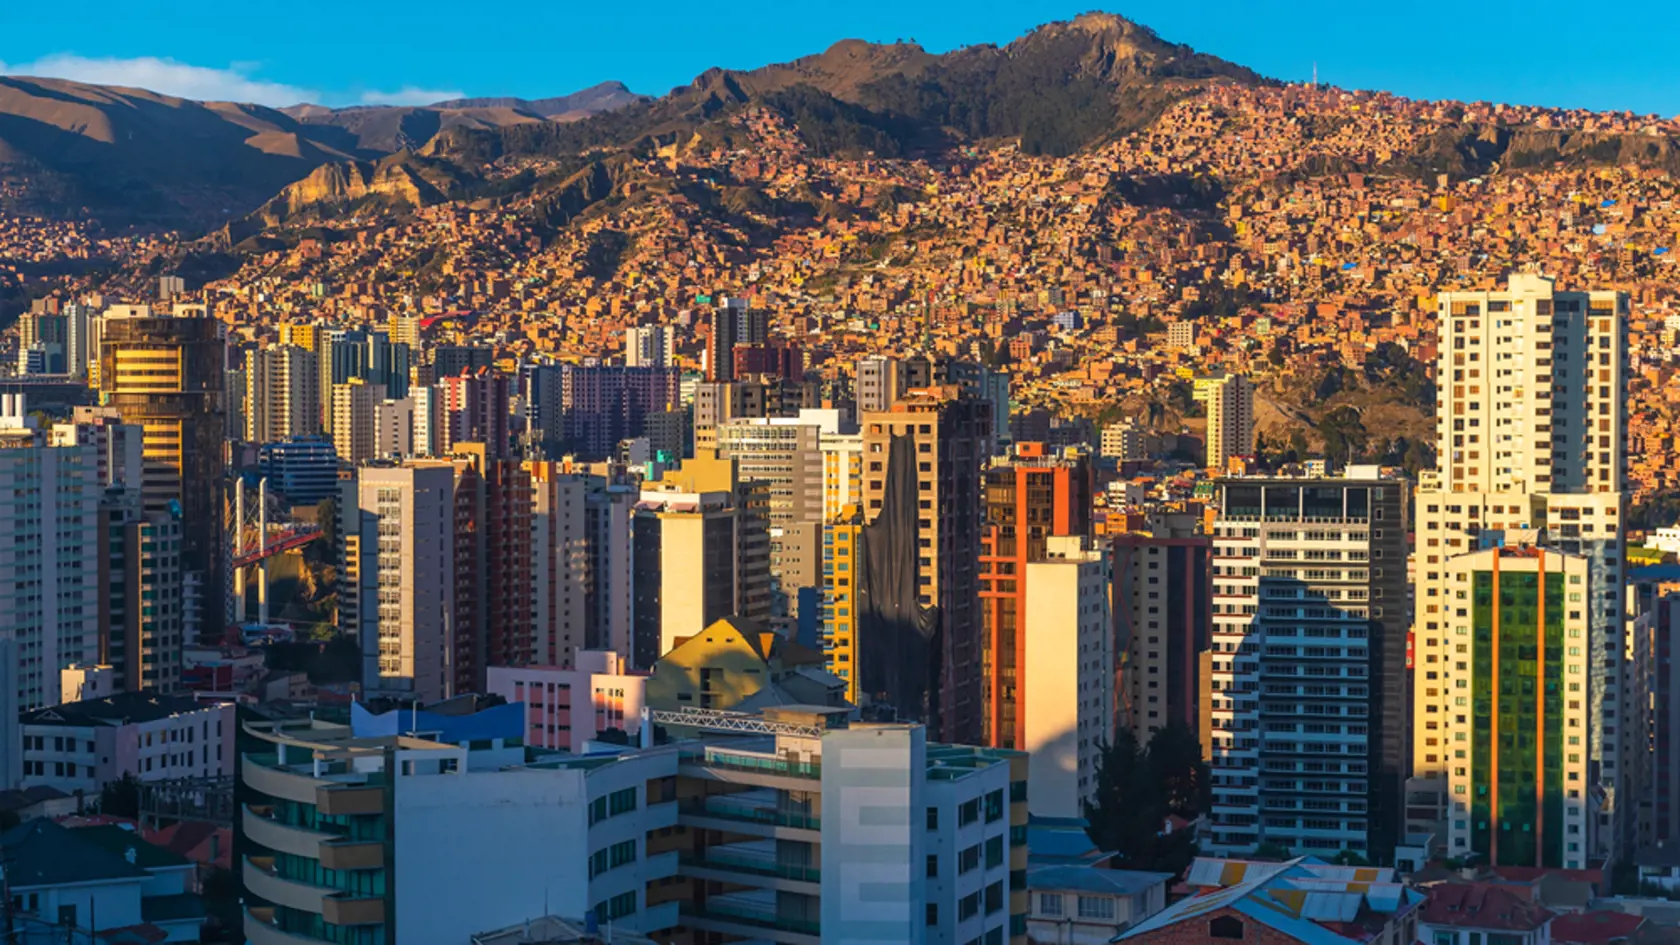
x=994 y=806
x=994 y=852
x=1096 y=907
x=968 y=860
x=1049 y=903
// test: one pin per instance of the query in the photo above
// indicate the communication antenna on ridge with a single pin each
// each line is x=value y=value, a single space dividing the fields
x=1315 y=75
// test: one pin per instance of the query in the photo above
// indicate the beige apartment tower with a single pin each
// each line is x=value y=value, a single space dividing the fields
x=1230 y=417
x=1531 y=447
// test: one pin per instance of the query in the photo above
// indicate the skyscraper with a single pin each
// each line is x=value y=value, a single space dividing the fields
x=282 y=394
x=1230 y=417
x=650 y=346
x=1163 y=614
x=473 y=408
x=601 y=405
x=1028 y=499
x=700 y=553
x=787 y=457
x=1520 y=795
x=355 y=405
x=397 y=578
x=1308 y=677
x=166 y=375
x=941 y=436
x=1530 y=434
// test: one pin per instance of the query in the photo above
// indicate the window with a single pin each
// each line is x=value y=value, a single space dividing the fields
x=1096 y=907
x=994 y=852
x=932 y=914
x=1049 y=903
x=1446 y=938
x=932 y=865
x=994 y=806
x=933 y=818
x=1226 y=926
x=968 y=860
x=994 y=897
x=968 y=907
x=968 y=813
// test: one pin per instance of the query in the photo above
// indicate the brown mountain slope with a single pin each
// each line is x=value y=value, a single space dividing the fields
x=140 y=156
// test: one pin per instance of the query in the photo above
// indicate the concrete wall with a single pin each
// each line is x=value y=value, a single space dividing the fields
x=874 y=836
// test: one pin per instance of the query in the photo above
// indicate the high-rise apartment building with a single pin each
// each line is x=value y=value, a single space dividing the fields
x=474 y=408
x=1515 y=716
x=1656 y=662
x=1163 y=613
x=49 y=518
x=650 y=346
x=700 y=553
x=1308 y=671
x=282 y=394
x=732 y=322
x=786 y=456
x=1028 y=499
x=166 y=375
x=601 y=405
x=938 y=438
x=1230 y=417
x=1530 y=434
x=1065 y=681
x=560 y=576
x=501 y=630
x=397 y=577
x=355 y=405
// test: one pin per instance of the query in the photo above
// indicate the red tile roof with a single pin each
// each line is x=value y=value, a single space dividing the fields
x=1594 y=928
x=1482 y=906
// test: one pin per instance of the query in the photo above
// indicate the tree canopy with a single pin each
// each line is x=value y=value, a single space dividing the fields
x=1138 y=788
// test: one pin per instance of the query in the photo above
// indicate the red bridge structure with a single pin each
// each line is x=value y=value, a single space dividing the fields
x=255 y=539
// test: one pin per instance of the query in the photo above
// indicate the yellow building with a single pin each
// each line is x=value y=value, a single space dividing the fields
x=840 y=575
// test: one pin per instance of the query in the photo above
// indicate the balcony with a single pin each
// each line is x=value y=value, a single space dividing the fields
x=260 y=930
x=350 y=799
x=337 y=854
x=282 y=838
x=747 y=870
x=756 y=764
x=262 y=882
x=749 y=923
x=346 y=910
x=262 y=773
x=719 y=814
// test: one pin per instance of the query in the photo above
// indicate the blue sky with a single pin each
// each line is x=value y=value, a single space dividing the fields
x=348 y=53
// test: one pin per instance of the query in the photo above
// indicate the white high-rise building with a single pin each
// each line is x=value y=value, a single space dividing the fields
x=650 y=346
x=1530 y=435
x=354 y=409
x=49 y=551
x=1308 y=665
x=397 y=580
x=282 y=394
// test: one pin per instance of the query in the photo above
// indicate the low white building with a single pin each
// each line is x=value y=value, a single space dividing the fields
x=81 y=746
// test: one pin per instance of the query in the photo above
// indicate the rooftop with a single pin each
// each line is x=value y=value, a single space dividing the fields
x=1482 y=906
x=126 y=708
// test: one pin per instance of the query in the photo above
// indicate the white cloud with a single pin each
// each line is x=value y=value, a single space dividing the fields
x=233 y=84
x=236 y=83
x=409 y=95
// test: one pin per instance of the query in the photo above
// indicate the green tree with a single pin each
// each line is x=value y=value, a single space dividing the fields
x=1138 y=788
x=1350 y=858
x=1270 y=851
x=121 y=798
x=1175 y=763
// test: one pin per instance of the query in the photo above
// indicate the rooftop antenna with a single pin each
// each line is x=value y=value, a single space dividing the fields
x=1315 y=75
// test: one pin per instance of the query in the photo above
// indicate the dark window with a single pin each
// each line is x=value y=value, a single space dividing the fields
x=1226 y=926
